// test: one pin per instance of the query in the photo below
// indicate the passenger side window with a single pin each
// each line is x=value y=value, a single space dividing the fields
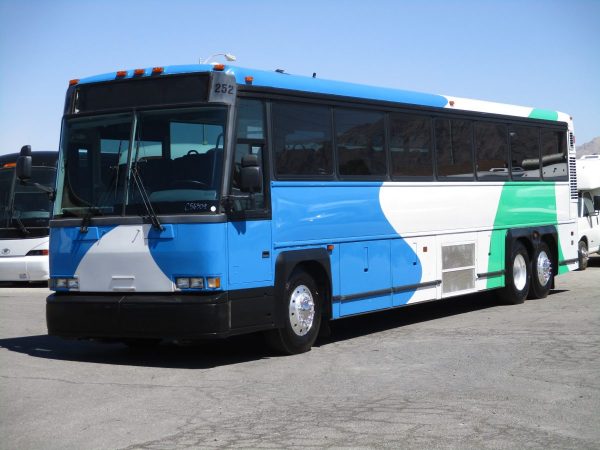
x=588 y=204
x=554 y=155
x=454 y=149
x=302 y=140
x=410 y=146
x=525 y=153
x=250 y=140
x=491 y=150
x=360 y=142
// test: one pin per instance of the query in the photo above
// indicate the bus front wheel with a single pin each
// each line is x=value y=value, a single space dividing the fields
x=518 y=276
x=302 y=316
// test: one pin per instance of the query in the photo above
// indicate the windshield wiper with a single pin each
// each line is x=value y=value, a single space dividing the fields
x=87 y=218
x=145 y=198
x=22 y=228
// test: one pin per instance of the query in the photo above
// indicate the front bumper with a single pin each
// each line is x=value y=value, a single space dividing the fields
x=24 y=268
x=163 y=316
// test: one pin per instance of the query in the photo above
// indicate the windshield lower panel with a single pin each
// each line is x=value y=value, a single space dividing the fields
x=175 y=161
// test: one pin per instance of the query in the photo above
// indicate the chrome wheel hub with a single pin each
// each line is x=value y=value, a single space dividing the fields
x=544 y=268
x=302 y=310
x=520 y=272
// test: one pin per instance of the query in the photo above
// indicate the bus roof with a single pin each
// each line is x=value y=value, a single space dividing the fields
x=281 y=80
x=38 y=158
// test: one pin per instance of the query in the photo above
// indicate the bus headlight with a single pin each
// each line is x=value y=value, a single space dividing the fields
x=197 y=283
x=182 y=283
x=64 y=284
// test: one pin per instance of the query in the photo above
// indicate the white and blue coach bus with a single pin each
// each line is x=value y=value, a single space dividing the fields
x=208 y=200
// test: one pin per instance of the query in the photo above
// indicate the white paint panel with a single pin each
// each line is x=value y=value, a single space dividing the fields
x=438 y=207
x=489 y=107
x=121 y=262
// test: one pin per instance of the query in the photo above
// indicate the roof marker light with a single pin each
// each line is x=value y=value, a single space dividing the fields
x=157 y=70
x=73 y=82
x=249 y=79
x=139 y=72
x=451 y=102
x=121 y=73
x=219 y=67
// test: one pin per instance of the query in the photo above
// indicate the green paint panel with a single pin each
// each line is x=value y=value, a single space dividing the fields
x=521 y=205
x=544 y=114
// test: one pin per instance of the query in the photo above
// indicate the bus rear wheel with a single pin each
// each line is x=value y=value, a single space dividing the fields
x=518 y=276
x=301 y=319
x=543 y=272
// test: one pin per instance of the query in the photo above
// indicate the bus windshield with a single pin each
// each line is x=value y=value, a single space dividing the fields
x=175 y=161
x=25 y=206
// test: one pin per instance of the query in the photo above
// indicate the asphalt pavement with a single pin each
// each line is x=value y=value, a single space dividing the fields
x=460 y=373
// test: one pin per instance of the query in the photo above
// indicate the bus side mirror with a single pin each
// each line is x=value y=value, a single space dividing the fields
x=24 y=163
x=250 y=176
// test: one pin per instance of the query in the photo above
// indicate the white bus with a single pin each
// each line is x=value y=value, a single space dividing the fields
x=24 y=216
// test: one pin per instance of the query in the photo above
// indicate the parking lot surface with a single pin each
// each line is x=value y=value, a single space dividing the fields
x=461 y=373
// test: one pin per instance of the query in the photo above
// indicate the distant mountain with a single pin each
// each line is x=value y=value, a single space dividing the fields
x=589 y=148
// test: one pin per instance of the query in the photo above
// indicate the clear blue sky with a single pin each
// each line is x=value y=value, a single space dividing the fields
x=544 y=54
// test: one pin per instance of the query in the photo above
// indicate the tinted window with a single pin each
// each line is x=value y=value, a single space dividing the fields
x=250 y=119
x=360 y=142
x=454 y=149
x=249 y=141
x=410 y=146
x=491 y=150
x=554 y=155
x=302 y=139
x=525 y=152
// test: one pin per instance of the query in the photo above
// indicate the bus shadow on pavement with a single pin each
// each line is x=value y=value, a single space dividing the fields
x=594 y=261
x=239 y=349
x=352 y=327
x=201 y=355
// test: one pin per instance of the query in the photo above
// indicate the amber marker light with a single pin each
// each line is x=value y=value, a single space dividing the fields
x=121 y=73
x=139 y=72
x=249 y=79
x=73 y=82
x=10 y=164
x=214 y=282
x=157 y=70
x=330 y=247
x=219 y=67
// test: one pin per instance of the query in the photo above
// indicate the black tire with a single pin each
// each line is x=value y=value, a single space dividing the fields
x=542 y=272
x=517 y=277
x=299 y=331
x=583 y=255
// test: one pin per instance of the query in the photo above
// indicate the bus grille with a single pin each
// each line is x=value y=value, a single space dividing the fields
x=573 y=177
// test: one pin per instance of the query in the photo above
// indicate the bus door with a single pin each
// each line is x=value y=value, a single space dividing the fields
x=248 y=228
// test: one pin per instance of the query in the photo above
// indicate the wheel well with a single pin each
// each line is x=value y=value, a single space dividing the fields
x=528 y=246
x=319 y=275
